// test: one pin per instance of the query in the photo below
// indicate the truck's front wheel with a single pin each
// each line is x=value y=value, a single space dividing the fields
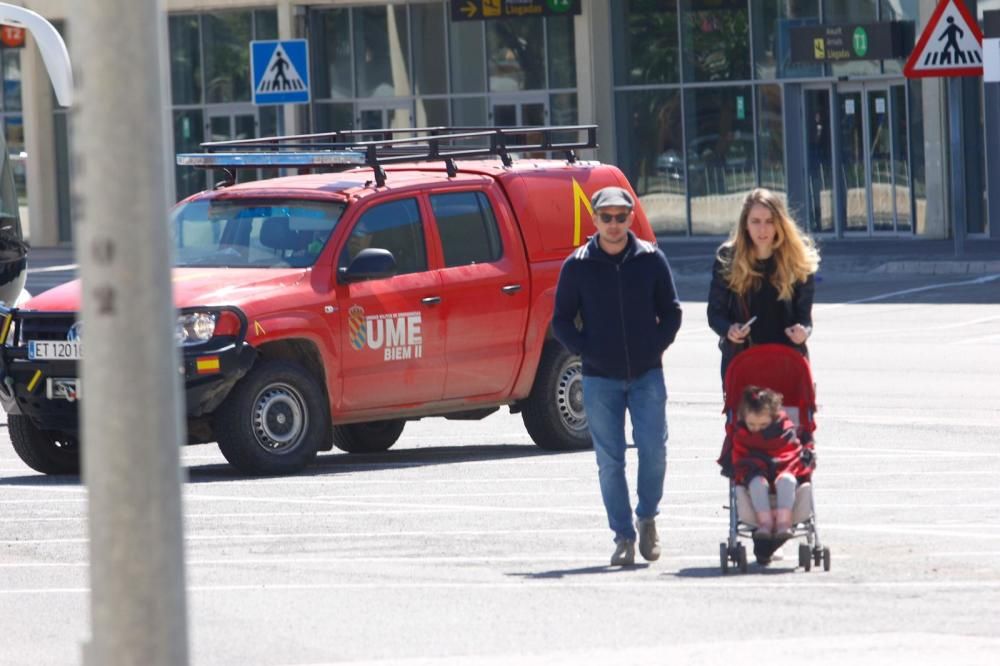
x=372 y=437
x=274 y=420
x=553 y=413
x=41 y=450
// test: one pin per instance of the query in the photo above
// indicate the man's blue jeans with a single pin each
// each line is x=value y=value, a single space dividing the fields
x=605 y=401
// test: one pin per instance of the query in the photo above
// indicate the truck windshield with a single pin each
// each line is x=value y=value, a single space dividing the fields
x=260 y=234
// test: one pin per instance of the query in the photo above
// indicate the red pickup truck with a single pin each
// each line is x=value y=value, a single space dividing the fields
x=330 y=308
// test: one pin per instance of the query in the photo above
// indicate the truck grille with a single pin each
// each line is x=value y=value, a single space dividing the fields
x=53 y=326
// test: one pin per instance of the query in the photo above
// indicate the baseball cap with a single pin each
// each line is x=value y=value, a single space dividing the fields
x=611 y=196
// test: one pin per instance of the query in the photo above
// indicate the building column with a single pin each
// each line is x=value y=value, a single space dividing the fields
x=937 y=214
x=288 y=15
x=41 y=221
x=595 y=74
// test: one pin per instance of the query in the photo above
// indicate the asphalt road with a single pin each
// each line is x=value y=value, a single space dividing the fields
x=466 y=545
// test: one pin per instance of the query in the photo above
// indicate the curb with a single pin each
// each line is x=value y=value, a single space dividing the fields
x=939 y=267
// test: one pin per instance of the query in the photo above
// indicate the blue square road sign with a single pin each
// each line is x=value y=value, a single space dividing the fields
x=280 y=70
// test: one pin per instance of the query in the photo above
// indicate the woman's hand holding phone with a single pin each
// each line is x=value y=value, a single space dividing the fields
x=738 y=332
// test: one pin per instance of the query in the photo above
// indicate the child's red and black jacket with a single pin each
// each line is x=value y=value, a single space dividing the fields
x=773 y=451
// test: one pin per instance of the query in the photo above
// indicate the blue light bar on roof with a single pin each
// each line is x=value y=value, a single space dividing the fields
x=255 y=160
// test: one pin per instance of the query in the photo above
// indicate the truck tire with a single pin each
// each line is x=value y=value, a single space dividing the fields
x=372 y=437
x=553 y=412
x=274 y=420
x=41 y=450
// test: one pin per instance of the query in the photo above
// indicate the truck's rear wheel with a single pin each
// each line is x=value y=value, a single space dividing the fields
x=372 y=437
x=553 y=413
x=274 y=420
x=41 y=450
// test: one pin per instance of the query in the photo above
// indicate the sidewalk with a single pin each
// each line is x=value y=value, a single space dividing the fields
x=890 y=255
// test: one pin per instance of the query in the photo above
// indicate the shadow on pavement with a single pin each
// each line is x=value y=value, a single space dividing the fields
x=36 y=480
x=580 y=571
x=716 y=571
x=331 y=462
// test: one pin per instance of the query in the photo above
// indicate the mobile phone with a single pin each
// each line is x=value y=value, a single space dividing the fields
x=749 y=321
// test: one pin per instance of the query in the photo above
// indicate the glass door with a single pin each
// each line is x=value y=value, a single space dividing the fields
x=902 y=181
x=229 y=125
x=818 y=159
x=388 y=114
x=873 y=139
x=853 y=175
x=879 y=146
x=520 y=111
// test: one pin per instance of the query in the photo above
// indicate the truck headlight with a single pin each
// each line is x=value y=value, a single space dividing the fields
x=194 y=328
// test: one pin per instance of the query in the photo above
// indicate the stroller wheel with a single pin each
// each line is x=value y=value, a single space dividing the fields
x=826 y=559
x=805 y=557
x=741 y=558
x=724 y=557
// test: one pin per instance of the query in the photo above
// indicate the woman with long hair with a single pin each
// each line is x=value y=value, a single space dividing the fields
x=762 y=281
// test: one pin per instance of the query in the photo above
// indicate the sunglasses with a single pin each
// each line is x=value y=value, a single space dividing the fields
x=620 y=218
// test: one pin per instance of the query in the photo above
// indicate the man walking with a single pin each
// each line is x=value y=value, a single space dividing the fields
x=622 y=290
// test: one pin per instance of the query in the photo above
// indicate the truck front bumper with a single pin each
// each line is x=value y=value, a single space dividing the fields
x=48 y=391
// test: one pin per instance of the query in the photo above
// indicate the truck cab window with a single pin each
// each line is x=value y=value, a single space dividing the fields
x=468 y=228
x=395 y=226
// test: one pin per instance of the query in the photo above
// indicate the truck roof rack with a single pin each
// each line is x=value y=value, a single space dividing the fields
x=347 y=148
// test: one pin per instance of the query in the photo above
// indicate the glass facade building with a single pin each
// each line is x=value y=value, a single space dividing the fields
x=698 y=101
x=710 y=104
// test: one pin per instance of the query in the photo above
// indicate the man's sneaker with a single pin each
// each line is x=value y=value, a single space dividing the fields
x=649 y=542
x=624 y=554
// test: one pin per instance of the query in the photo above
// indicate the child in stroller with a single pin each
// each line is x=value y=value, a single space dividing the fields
x=768 y=457
x=784 y=371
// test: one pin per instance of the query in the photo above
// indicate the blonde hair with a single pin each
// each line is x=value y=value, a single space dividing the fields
x=795 y=254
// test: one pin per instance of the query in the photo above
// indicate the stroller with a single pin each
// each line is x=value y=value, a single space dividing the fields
x=785 y=370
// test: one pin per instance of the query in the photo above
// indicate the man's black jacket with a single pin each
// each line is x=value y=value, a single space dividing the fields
x=628 y=308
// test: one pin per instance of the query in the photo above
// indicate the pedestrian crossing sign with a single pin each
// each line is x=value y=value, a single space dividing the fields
x=280 y=71
x=950 y=45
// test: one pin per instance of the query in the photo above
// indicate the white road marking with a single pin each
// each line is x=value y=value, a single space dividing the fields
x=729 y=584
x=896 y=332
x=978 y=340
x=718 y=525
x=581 y=560
x=53 y=269
x=915 y=290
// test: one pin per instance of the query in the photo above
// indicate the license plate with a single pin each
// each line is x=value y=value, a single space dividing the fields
x=62 y=388
x=53 y=350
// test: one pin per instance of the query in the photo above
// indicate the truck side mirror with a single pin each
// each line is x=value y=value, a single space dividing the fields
x=371 y=263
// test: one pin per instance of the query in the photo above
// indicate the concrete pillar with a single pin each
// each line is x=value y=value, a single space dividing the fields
x=131 y=430
x=595 y=74
x=586 y=113
x=934 y=220
x=287 y=29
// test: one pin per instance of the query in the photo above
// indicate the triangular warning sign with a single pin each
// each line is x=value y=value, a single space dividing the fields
x=280 y=74
x=950 y=45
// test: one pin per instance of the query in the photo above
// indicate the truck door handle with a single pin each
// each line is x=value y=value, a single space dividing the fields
x=431 y=300
x=510 y=288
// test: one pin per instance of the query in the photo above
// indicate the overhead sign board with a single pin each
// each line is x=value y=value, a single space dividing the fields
x=280 y=71
x=950 y=45
x=817 y=44
x=482 y=10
